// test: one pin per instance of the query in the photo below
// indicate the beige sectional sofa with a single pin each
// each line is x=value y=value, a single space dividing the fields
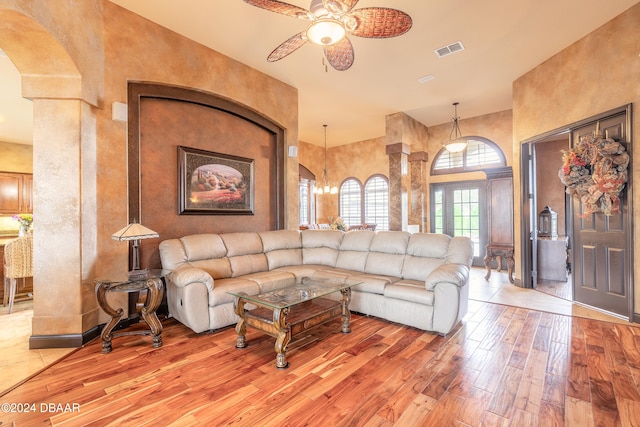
x=421 y=280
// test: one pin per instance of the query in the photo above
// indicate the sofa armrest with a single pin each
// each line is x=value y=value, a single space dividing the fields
x=185 y=276
x=457 y=274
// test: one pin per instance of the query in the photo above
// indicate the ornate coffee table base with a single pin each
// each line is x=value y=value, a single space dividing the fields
x=284 y=323
x=154 y=286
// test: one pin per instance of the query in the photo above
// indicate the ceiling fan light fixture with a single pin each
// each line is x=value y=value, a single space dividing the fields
x=326 y=31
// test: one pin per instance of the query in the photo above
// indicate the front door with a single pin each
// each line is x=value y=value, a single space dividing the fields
x=601 y=250
x=459 y=209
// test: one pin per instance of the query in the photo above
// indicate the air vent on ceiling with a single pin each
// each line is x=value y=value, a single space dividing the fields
x=448 y=50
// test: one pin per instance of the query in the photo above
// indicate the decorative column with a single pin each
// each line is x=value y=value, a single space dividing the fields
x=399 y=185
x=418 y=196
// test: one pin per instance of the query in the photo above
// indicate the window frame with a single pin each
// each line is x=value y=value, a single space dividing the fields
x=307 y=179
x=364 y=200
x=466 y=168
x=363 y=206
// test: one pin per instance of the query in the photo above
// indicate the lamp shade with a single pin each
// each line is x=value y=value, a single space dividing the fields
x=134 y=231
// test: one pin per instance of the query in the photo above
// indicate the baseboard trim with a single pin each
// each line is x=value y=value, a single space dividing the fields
x=37 y=342
x=63 y=340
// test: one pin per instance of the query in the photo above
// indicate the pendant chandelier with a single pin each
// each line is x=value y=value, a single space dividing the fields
x=456 y=142
x=326 y=187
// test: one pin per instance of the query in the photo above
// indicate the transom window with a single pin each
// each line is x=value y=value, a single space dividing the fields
x=368 y=204
x=480 y=153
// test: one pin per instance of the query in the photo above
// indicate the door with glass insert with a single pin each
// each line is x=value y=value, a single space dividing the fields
x=459 y=209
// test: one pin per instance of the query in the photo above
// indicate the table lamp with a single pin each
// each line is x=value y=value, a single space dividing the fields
x=135 y=232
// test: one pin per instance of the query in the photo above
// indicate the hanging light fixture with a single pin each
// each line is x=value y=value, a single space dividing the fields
x=456 y=142
x=326 y=187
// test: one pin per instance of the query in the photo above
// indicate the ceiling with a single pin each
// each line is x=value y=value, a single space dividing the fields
x=502 y=42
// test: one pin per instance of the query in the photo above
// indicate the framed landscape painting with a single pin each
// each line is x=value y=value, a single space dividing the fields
x=214 y=183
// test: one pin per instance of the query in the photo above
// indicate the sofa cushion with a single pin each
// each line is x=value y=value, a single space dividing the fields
x=242 y=243
x=387 y=252
x=321 y=246
x=418 y=268
x=322 y=239
x=390 y=242
x=280 y=239
x=282 y=248
x=354 y=250
x=357 y=241
x=203 y=246
x=247 y=264
x=460 y=251
x=384 y=264
x=218 y=268
x=272 y=280
x=409 y=290
x=373 y=284
x=245 y=253
x=219 y=294
x=428 y=245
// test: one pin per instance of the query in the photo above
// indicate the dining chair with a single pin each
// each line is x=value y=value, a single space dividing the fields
x=18 y=264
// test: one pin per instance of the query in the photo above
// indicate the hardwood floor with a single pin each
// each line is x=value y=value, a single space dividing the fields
x=558 y=289
x=503 y=366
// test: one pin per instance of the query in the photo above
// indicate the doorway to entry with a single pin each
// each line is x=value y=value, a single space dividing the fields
x=460 y=209
x=598 y=247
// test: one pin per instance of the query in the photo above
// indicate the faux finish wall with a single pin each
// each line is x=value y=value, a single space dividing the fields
x=596 y=74
x=75 y=59
x=359 y=160
x=165 y=124
x=16 y=157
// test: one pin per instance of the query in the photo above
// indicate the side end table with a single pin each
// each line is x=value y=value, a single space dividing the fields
x=150 y=284
x=499 y=251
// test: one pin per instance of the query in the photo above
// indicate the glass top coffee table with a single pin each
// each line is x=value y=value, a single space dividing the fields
x=283 y=313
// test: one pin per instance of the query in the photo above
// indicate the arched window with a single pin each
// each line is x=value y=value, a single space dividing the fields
x=368 y=204
x=480 y=153
x=351 y=202
x=376 y=202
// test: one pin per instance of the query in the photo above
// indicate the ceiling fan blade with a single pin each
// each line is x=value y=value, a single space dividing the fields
x=339 y=6
x=380 y=22
x=340 y=55
x=281 y=7
x=289 y=46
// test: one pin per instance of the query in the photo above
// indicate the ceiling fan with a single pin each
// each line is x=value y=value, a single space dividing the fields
x=331 y=21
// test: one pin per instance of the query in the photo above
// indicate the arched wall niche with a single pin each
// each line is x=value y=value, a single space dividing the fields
x=162 y=117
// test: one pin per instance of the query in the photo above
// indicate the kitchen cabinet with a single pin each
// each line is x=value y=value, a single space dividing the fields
x=16 y=193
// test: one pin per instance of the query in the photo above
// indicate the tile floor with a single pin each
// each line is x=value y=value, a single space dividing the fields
x=18 y=363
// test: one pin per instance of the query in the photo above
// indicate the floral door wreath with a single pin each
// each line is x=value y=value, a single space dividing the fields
x=595 y=172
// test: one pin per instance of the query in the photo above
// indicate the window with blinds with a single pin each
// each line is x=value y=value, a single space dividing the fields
x=351 y=202
x=376 y=202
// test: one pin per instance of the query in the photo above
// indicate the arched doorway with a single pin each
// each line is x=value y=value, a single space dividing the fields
x=61 y=114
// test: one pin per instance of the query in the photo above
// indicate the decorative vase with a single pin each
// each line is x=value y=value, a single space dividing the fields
x=23 y=231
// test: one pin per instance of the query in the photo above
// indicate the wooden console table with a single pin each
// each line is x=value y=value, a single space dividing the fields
x=151 y=288
x=500 y=252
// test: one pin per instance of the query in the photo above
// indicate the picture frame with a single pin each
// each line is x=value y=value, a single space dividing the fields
x=214 y=183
